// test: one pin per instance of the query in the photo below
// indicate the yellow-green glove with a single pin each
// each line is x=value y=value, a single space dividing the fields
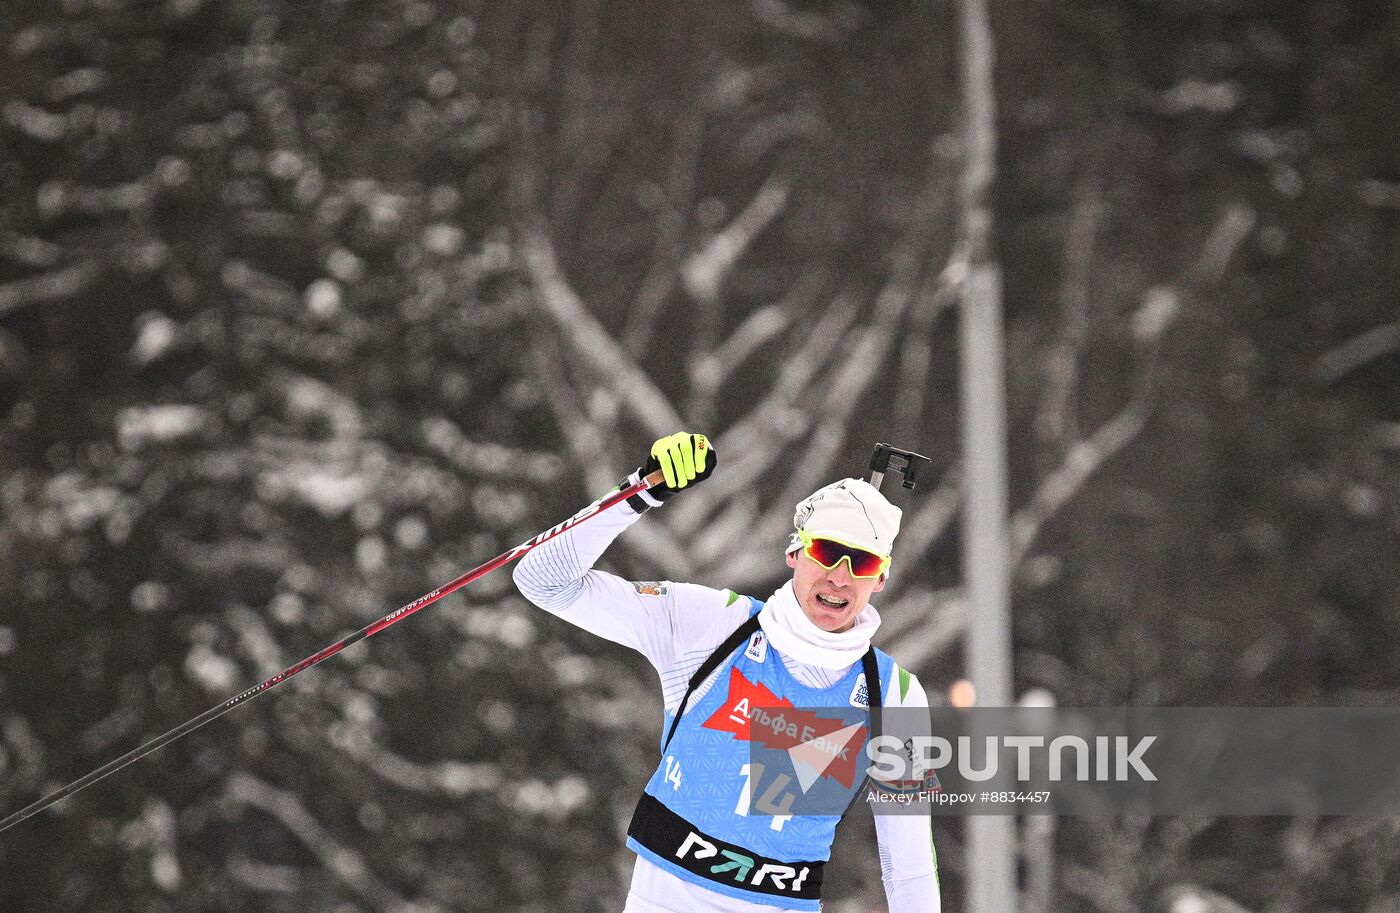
x=686 y=459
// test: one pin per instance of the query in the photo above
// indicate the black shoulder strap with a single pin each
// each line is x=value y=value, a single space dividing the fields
x=741 y=634
x=874 y=692
x=875 y=695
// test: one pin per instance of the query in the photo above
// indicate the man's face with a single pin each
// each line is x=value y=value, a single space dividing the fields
x=817 y=589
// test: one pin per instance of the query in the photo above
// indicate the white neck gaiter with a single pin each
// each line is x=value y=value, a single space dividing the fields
x=793 y=634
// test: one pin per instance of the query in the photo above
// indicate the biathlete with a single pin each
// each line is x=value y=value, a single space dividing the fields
x=699 y=848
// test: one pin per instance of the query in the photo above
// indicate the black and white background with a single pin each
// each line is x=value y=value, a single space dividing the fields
x=306 y=306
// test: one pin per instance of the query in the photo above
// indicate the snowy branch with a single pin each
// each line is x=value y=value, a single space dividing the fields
x=1056 y=422
x=1160 y=308
x=756 y=330
x=590 y=341
x=33 y=252
x=1230 y=231
x=347 y=865
x=1104 y=893
x=444 y=778
x=1357 y=352
x=671 y=221
x=14 y=359
x=50 y=286
x=753 y=444
x=704 y=271
x=585 y=440
x=801 y=24
x=557 y=301
x=710 y=368
x=928 y=622
x=590 y=446
x=1082 y=461
x=261 y=876
x=757 y=441
x=937 y=296
x=25 y=752
x=485 y=459
x=1196 y=899
x=861 y=365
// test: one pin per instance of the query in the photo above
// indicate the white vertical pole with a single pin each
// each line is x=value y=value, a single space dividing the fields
x=991 y=839
x=991 y=850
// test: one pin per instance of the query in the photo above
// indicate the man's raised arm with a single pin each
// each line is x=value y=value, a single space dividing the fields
x=558 y=576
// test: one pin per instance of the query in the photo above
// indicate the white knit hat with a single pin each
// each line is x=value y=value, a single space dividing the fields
x=851 y=510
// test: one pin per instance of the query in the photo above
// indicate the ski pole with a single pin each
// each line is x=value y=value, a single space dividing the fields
x=399 y=614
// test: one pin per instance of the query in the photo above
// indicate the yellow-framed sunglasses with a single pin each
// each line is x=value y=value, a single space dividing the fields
x=829 y=552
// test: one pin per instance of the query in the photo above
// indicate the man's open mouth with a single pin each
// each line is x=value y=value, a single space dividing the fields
x=833 y=601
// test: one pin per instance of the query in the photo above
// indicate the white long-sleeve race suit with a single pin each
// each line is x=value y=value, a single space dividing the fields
x=676 y=626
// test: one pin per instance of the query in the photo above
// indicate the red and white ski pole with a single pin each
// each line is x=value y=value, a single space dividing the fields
x=399 y=614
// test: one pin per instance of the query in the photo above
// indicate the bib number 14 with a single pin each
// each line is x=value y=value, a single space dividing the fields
x=767 y=803
x=673 y=771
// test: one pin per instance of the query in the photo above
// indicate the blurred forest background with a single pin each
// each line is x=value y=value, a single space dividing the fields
x=309 y=305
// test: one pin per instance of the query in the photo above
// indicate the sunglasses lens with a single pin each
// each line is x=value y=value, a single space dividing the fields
x=865 y=564
x=828 y=554
x=825 y=552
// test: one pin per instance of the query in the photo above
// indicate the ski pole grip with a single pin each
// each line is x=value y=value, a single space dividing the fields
x=654 y=479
